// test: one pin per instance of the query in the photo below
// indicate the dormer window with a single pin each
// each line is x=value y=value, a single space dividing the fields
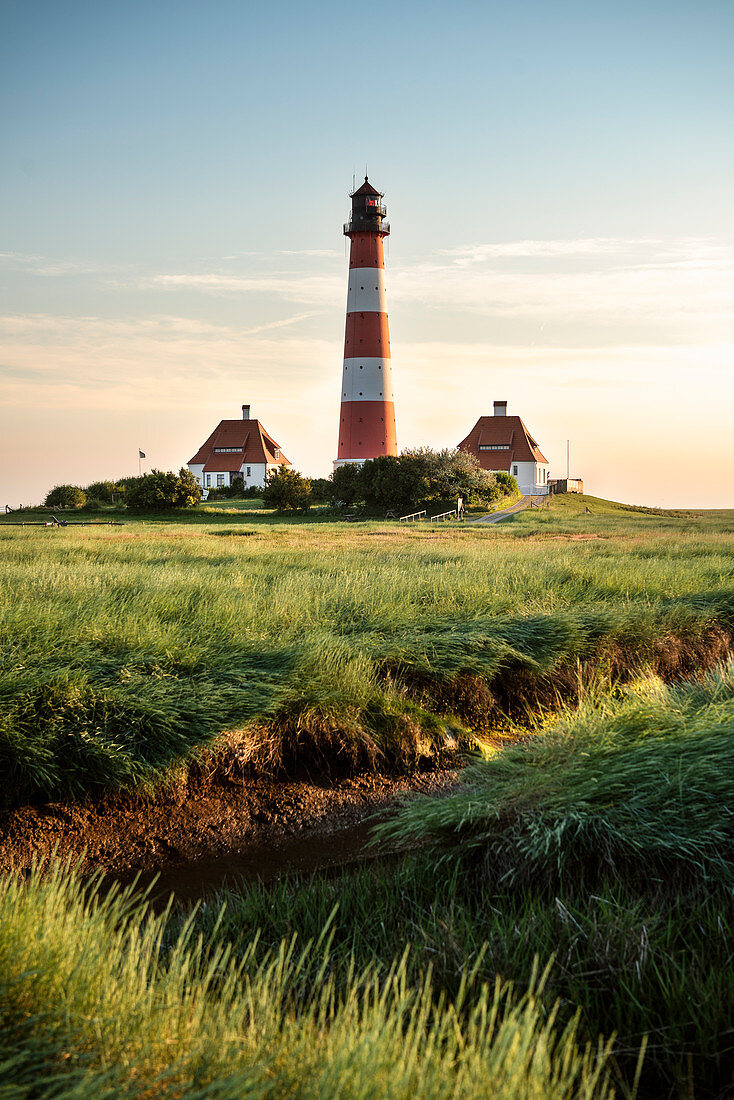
x=227 y=450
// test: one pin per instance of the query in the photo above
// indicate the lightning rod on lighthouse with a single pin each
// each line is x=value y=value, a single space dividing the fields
x=367 y=417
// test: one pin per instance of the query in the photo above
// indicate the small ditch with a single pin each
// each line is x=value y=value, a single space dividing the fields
x=259 y=862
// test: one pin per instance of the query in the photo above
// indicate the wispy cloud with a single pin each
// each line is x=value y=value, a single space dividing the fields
x=584 y=246
x=34 y=264
x=294 y=287
x=618 y=284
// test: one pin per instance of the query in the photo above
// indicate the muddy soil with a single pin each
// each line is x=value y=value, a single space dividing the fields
x=118 y=833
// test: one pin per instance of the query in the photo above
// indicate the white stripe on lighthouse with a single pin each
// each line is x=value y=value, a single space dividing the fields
x=366 y=292
x=367 y=380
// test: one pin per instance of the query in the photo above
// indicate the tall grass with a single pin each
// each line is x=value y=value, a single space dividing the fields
x=606 y=842
x=95 y=1002
x=650 y=964
x=643 y=780
x=122 y=651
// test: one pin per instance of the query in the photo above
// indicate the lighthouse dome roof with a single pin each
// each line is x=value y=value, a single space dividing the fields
x=366 y=189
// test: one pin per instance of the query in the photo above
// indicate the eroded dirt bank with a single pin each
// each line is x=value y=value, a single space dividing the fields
x=120 y=834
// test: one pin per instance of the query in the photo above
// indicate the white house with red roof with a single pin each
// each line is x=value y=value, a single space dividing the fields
x=237 y=448
x=502 y=442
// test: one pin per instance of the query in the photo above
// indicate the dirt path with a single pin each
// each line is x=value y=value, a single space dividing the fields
x=495 y=517
x=124 y=833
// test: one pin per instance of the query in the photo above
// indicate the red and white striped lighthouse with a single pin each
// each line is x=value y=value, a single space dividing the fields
x=367 y=418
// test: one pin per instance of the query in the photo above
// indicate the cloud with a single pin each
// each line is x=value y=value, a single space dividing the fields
x=480 y=253
x=95 y=362
x=34 y=264
x=683 y=286
x=294 y=287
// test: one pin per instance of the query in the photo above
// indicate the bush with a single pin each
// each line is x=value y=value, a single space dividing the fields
x=103 y=491
x=159 y=491
x=507 y=482
x=322 y=490
x=287 y=490
x=346 y=484
x=419 y=479
x=66 y=496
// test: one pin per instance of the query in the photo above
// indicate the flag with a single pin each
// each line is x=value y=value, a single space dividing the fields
x=141 y=454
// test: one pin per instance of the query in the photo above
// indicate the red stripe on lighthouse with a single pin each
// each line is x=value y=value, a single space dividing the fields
x=367 y=251
x=360 y=430
x=367 y=334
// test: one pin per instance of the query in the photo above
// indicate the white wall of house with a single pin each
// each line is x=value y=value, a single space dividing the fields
x=532 y=477
x=252 y=475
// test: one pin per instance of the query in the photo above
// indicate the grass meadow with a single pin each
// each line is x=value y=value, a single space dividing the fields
x=563 y=925
x=124 y=651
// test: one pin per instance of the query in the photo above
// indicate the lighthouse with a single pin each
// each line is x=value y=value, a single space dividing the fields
x=367 y=417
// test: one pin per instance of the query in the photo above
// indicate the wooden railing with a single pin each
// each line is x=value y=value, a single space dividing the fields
x=451 y=514
x=412 y=517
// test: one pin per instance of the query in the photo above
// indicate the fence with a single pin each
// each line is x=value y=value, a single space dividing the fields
x=412 y=517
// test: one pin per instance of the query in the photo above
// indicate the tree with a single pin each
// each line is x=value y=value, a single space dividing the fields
x=425 y=478
x=103 y=491
x=66 y=496
x=507 y=482
x=160 y=491
x=346 y=482
x=286 y=490
x=395 y=483
x=322 y=490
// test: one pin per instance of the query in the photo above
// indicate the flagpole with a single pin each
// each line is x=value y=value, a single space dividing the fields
x=140 y=470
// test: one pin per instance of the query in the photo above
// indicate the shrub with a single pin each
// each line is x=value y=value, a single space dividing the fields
x=424 y=477
x=159 y=491
x=66 y=496
x=507 y=482
x=346 y=484
x=322 y=490
x=103 y=491
x=287 y=490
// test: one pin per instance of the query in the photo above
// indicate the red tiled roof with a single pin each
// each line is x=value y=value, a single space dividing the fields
x=222 y=464
x=508 y=430
x=254 y=445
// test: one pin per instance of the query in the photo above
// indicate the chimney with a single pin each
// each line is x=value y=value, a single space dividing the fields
x=500 y=408
x=245 y=412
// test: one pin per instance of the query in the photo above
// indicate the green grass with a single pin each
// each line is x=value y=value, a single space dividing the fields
x=125 y=650
x=642 y=779
x=421 y=977
x=597 y=850
x=97 y=1000
x=604 y=846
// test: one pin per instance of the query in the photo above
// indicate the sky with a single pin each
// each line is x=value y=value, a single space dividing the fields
x=558 y=177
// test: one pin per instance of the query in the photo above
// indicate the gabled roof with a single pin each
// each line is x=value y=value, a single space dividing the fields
x=507 y=430
x=254 y=445
x=366 y=189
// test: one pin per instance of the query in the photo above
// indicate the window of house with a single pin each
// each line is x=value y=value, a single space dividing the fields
x=514 y=471
x=227 y=450
x=277 y=454
x=208 y=480
x=494 y=446
x=220 y=480
x=249 y=471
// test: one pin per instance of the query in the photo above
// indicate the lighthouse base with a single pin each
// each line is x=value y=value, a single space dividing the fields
x=349 y=462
